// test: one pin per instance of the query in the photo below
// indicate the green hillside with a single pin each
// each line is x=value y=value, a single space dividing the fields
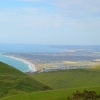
x=30 y=87
x=62 y=94
x=76 y=78
x=13 y=81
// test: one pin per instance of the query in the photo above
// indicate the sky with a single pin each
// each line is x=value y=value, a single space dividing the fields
x=61 y=22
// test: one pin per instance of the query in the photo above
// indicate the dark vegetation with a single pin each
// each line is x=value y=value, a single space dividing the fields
x=14 y=80
x=86 y=95
x=58 y=94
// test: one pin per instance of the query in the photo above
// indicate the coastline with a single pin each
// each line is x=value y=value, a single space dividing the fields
x=30 y=64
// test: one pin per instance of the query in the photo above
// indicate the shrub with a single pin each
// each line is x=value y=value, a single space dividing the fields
x=86 y=95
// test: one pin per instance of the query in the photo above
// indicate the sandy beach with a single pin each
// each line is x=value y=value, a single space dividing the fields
x=30 y=65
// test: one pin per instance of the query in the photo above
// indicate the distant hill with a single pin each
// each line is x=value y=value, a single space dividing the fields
x=13 y=81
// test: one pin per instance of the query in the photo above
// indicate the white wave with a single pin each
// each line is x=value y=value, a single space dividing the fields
x=30 y=65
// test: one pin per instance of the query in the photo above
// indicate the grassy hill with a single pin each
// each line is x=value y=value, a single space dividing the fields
x=13 y=81
x=76 y=78
x=64 y=83
x=50 y=95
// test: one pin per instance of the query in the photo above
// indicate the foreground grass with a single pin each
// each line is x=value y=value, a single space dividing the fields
x=75 y=78
x=62 y=94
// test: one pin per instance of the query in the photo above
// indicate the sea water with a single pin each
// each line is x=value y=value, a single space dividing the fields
x=36 y=48
x=18 y=64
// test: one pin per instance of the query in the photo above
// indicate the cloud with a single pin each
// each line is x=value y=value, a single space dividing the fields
x=69 y=8
x=93 y=5
x=71 y=14
x=64 y=4
x=29 y=18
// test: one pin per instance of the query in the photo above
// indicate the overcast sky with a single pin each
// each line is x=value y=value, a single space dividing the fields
x=68 y=22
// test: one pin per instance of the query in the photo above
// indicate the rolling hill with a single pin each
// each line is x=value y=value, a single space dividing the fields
x=13 y=81
x=30 y=87
x=75 y=78
x=61 y=94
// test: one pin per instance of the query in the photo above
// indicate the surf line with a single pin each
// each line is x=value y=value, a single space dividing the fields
x=30 y=65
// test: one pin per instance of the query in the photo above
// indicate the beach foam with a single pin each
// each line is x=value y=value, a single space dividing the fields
x=30 y=65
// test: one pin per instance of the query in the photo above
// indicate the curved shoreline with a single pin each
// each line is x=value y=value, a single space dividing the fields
x=30 y=65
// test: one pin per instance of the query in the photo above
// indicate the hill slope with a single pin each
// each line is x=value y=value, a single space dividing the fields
x=14 y=80
x=68 y=81
x=50 y=95
x=75 y=78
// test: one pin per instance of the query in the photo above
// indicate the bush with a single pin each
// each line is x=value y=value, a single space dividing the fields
x=86 y=95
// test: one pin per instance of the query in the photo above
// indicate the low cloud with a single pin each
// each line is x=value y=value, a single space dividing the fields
x=93 y=5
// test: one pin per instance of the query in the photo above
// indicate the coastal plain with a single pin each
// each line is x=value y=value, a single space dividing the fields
x=71 y=59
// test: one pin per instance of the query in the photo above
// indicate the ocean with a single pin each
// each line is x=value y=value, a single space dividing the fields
x=27 y=48
x=18 y=64
x=35 y=48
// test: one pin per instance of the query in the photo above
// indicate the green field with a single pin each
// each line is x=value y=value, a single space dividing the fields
x=50 y=95
x=15 y=85
x=75 y=78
